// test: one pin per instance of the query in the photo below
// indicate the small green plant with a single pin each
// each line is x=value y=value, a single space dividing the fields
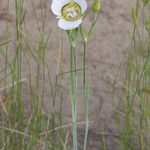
x=18 y=129
x=71 y=15
x=135 y=132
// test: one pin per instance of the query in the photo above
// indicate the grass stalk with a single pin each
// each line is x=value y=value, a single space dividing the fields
x=85 y=84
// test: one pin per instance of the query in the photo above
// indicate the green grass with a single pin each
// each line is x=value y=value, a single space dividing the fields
x=136 y=125
x=134 y=129
x=20 y=130
x=132 y=117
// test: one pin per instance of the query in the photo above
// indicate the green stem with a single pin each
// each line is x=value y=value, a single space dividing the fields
x=73 y=66
x=86 y=94
x=85 y=86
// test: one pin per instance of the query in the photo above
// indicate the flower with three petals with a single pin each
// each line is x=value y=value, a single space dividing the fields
x=69 y=12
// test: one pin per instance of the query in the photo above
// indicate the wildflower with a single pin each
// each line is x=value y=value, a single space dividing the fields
x=69 y=12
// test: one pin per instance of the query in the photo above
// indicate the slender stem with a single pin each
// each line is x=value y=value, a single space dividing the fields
x=85 y=86
x=73 y=77
x=140 y=78
x=86 y=94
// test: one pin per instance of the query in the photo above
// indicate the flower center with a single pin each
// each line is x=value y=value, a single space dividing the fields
x=71 y=11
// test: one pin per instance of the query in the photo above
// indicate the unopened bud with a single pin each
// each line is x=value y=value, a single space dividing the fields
x=147 y=25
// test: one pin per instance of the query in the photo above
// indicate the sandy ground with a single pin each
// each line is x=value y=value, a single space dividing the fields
x=109 y=39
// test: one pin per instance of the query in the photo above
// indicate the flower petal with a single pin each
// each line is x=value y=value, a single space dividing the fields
x=68 y=25
x=57 y=5
x=82 y=4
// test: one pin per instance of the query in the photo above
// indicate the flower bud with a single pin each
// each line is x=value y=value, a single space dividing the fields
x=147 y=25
x=97 y=6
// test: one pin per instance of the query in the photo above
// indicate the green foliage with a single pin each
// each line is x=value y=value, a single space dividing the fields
x=147 y=25
x=32 y=129
x=134 y=17
x=145 y=2
x=136 y=123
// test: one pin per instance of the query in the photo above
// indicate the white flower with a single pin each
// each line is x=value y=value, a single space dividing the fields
x=69 y=12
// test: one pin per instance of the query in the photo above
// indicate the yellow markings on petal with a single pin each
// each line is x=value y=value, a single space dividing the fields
x=71 y=11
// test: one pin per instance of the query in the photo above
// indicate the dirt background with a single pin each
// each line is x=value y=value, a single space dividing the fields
x=106 y=57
